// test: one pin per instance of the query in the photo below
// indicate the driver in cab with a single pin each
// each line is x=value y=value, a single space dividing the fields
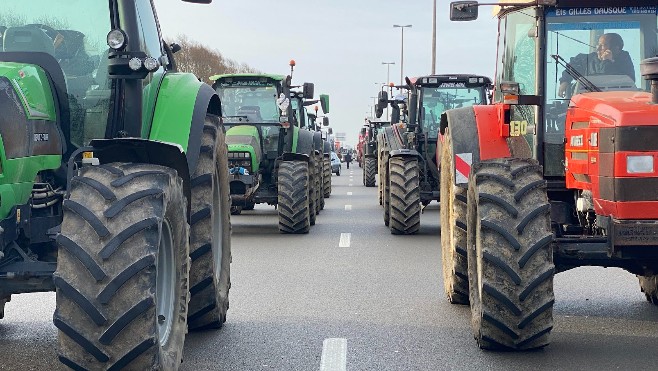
x=608 y=59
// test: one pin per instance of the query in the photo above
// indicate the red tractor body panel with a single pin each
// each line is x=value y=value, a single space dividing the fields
x=602 y=130
x=490 y=137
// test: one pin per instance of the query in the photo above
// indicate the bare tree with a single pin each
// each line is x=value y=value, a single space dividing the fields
x=204 y=62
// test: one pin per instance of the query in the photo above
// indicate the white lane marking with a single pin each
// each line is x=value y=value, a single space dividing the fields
x=334 y=355
x=348 y=207
x=345 y=240
x=349 y=193
x=349 y=185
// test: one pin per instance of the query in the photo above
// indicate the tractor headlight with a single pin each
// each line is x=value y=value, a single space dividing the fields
x=639 y=164
x=116 y=39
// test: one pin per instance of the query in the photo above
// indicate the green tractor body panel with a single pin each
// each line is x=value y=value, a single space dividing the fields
x=176 y=101
x=29 y=86
x=245 y=138
x=34 y=90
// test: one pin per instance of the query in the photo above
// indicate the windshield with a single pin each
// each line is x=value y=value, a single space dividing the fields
x=604 y=45
x=257 y=103
x=74 y=32
x=436 y=100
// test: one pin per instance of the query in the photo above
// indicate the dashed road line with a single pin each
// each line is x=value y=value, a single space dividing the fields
x=349 y=193
x=334 y=355
x=348 y=207
x=345 y=240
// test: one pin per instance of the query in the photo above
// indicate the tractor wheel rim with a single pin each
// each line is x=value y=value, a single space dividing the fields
x=165 y=284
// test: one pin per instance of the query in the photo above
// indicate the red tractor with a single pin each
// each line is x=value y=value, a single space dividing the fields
x=560 y=172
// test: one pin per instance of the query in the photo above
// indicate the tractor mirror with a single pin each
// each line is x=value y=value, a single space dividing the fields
x=174 y=48
x=382 y=98
x=379 y=110
x=325 y=121
x=363 y=131
x=463 y=10
x=309 y=90
x=330 y=130
x=324 y=102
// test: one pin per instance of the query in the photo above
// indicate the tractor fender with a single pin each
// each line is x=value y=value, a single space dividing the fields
x=180 y=112
x=143 y=151
x=327 y=148
x=305 y=143
x=289 y=156
x=403 y=152
x=463 y=125
x=317 y=141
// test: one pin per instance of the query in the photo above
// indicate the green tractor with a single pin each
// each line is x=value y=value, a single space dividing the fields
x=271 y=159
x=113 y=182
x=408 y=155
x=369 y=149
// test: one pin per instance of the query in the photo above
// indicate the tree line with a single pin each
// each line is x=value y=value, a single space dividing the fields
x=204 y=62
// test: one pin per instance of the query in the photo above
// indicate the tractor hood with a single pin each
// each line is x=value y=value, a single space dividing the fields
x=612 y=150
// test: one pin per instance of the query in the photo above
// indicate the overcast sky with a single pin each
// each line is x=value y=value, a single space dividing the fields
x=338 y=44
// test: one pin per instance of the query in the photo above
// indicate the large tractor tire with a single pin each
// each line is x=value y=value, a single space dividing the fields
x=453 y=230
x=327 y=177
x=370 y=171
x=319 y=184
x=649 y=286
x=510 y=261
x=210 y=232
x=382 y=172
x=312 y=197
x=293 y=200
x=386 y=197
x=122 y=269
x=404 y=195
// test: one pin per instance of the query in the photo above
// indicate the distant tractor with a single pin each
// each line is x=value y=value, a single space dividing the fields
x=271 y=159
x=113 y=183
x=560 y=172
x=411 y=173
x=369 y=150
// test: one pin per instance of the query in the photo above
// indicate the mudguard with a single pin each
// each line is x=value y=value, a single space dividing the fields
x=180 y=111
x=327 y=149
x=305 y=142
x=289 y=156
x=464 y=124
x=143 y=151
x=317 y=141
x=403 y=152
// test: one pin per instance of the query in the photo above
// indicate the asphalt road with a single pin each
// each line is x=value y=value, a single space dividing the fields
x=369 y=300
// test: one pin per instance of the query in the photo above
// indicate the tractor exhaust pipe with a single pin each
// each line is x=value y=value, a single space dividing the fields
x=649 y=70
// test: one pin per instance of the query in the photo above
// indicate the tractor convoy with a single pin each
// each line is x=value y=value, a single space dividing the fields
x=118 y=173
x=115 y=177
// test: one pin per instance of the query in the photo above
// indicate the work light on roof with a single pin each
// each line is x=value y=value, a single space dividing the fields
x=151 y=64
x=135 y=64
x=117 y=39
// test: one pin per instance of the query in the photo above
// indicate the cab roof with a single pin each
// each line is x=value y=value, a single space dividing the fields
x=468 y=78
x=575 y=3
x=247 y=76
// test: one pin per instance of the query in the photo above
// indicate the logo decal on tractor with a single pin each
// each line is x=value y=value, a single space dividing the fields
x=463 y=162
x=518 y=128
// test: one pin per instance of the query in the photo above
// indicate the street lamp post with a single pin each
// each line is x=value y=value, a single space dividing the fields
x=402 y=52
x=388 y=71
x=374 y=103
x=434 y=39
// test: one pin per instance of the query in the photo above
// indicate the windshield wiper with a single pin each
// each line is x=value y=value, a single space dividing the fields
x=575 y=74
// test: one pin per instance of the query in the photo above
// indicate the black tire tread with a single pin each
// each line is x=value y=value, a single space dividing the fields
x=404 y=195
x=370 y=171
x=293 y=197
x=509 y=240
